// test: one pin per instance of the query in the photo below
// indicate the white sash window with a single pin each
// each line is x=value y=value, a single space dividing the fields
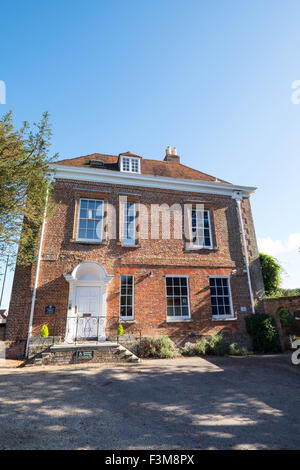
x=90 y=220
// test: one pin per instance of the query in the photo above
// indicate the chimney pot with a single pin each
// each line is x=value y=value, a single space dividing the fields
x=171 y=155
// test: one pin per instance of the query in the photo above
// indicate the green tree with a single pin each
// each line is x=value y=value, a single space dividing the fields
x=271 y=272
x=24 y=179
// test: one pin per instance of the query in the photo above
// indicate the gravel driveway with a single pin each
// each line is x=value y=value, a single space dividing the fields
x=192 y=403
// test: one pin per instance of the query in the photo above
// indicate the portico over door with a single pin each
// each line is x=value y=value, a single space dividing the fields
x=86 y=318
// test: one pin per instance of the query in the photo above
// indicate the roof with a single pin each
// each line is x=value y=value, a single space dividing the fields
x=148 y=167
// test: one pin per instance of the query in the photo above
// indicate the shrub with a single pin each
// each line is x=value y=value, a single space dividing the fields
x=166 y=347
x=161 y=347
x=285 y=317
x=217 y=345
x=236 y=350
x=44 y=331
x=189 y=349
x=261 y=327
x=202 y=346
x=120 y=329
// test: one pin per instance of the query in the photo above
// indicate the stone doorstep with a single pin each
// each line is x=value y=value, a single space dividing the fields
x=83 y=346
x=60 y=353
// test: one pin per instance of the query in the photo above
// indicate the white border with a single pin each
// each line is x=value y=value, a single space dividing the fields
x=148 y=181
x=173 y=317
x=78 y=219
x=130 y=165
x=125 y=319
x=128 y=241
x=207 y=247
x=219 y=317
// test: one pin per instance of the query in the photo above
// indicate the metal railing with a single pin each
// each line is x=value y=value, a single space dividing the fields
x=78 y=329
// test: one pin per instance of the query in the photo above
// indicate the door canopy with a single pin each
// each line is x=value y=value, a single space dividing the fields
x=88 y=272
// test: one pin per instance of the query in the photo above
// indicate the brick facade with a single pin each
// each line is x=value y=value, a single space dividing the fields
x=61 y=253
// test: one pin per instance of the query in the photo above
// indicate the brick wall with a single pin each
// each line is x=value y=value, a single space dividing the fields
x=61 y=254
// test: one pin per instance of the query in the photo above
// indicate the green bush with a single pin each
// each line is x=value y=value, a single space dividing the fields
x=120 y=329
x=161 y=347
x=285 y=317
x=236 y=350
x=189 y=349
x=261 y=327
x=44 y=331
x=202 y=346
x=217 y=345
x=166 y=347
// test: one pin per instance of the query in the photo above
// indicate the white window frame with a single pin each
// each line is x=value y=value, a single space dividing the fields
x=128 y=241
x=173 y=317
x=219 y=317
x=197 y=245
x=131 y=161
x=127 y=318
x=93 y=240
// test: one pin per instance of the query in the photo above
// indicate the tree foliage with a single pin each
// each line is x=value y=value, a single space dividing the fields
x=24 y=179
x=271 y=272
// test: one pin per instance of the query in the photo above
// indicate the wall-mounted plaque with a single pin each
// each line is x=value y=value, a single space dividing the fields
x=85 y=354
x=50 y=309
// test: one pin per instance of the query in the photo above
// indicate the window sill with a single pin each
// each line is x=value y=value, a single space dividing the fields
x=137 y=245
x=126 y=321
x=177 y=320
x=89 y=242
x=224 y=319
x=198 y=249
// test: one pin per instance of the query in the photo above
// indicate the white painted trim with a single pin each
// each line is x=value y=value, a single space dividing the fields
x=130 y=164
x=74 y=282
x=128 y=241
x=198 y=247
x=232 y=315
x=148 y=181
x=98 y=240
x=175 y=318
x=126 y=319
x=36 y=277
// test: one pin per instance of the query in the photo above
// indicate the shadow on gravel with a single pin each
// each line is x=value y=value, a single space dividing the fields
x=218 y=403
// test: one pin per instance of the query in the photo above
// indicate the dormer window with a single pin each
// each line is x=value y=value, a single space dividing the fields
x=130 y=165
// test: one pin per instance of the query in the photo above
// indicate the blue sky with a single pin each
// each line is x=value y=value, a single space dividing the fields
x=211 y=78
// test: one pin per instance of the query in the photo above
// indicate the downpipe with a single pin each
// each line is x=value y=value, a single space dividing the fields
x=36 y=278
x=238 y=199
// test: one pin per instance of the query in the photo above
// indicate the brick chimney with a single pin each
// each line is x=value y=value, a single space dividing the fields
x=171 y=155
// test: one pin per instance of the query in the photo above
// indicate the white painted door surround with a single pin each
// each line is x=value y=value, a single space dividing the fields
x=86 y=317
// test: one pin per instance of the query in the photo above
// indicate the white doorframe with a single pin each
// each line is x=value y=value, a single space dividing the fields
x=88 y=274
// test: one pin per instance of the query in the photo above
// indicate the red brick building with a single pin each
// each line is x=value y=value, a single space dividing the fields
x=155 y=245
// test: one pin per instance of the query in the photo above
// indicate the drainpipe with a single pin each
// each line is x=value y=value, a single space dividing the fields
x=36 y=278
x=238 y=197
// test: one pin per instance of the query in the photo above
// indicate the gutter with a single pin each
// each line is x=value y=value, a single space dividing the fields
x=36 y=278
x=147 y=181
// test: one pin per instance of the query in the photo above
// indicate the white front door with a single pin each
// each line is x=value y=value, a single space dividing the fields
x=87 y=323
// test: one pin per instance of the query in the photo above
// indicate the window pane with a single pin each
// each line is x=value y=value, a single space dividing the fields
x=126 y=297
x=170 y=311
x=123 y=312
x=177 y=296
x=220 y=296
